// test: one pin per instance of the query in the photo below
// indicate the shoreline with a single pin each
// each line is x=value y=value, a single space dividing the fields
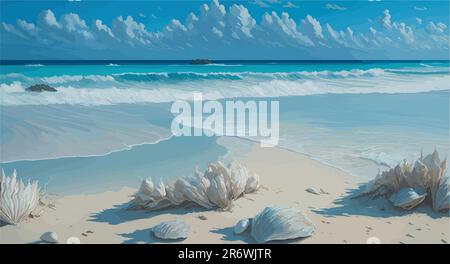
x=284 y=180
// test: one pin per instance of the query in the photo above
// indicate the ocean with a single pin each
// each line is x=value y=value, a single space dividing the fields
x=108 y=125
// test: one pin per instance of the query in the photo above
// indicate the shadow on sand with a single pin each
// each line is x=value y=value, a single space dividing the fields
x=228 y=235
x=121 y=214
x=145 y=236
x=350 y=205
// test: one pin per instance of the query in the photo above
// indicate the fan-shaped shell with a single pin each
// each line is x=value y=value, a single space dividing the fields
x=238 y=177
x=49 y=237
x=407 y=198
x=17 y=199
x=441 y=198
x=218 y=191
x=253 y=183
x=176 y=229
x=280 y=223
x=241 y=226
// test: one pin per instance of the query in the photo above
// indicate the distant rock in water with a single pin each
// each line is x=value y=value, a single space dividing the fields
x=41 y=88
x=201 y=61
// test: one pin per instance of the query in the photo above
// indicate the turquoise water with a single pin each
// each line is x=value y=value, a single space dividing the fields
x=360 y=116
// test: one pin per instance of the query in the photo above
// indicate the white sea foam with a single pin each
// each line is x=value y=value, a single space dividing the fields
x=15 y=87
x=223 y=65
x=381 y=158
x=156 y=87
x=13 y=94
x=154 y=77
x=76 y=78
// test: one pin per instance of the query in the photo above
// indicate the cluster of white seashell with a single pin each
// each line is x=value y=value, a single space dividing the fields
x=17 y=199
x=218 y=187
x=408 y=186
x=277 y=223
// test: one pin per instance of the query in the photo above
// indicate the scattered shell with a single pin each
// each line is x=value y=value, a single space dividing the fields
x=280 y=223
x=50 y=237
x=176 y=229
x=407 y=198
x=312 y=190
x=241 y=226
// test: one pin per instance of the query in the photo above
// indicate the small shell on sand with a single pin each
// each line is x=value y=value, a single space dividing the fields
x=312 y=190
x=407 y=198
x=176 y=229
x=280 y=223
x=241 y=226
x=50 y=237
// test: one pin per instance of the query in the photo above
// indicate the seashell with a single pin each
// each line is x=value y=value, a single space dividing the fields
x=146 y=187
x=312 y=190
x=148 y=192
x=175 y=194
x=150 y=196
x=194 y=190
x=253 y=183
x=419 y=176
x=238 y=179
x=218 y=191
x=241 y=226
x=160 y=191
x=441 y=198
x=17 y=199
x=280 y=223
x=219 y=186
x=407 y=198
x=176 y=229
x=428 y=175
x=50 y=237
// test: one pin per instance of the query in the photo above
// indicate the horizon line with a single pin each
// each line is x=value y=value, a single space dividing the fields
x=3 y=61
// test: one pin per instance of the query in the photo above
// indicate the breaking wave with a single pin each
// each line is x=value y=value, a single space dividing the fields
x=76 y=78
x=198 y=76
x=156 y=87
x=15 y=94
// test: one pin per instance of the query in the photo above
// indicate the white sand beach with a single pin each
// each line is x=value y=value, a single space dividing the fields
x=103 y=218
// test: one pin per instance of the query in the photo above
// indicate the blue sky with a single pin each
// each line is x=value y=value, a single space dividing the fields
x=257 y=29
